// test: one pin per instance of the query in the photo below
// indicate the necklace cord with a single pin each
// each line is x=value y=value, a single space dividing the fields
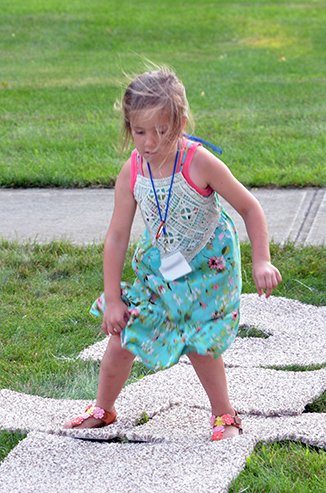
x=168 y=201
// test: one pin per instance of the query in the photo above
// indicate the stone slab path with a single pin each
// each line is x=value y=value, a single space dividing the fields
x=172 y=451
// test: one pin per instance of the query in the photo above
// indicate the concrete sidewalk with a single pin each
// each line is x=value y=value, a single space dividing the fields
x=83 y=215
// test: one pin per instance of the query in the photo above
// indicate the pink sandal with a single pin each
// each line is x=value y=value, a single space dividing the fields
x=98 y=413
x=219 y=422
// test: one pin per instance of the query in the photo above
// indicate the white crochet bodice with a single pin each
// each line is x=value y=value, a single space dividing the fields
x=192 y=218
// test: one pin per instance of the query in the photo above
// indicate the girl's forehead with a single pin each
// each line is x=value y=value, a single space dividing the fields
x=149 y=118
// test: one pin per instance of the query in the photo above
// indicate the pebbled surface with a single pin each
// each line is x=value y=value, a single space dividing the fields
x=173 y=451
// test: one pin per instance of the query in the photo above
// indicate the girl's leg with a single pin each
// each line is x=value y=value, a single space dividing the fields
x=114 y=372
x=211 y=373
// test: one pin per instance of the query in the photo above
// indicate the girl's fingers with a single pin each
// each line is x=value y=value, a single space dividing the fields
x=270 y=285
x=114 y=332
x=115 y=319
x=105 y=328
x=269 y=291
x=268 y=282
x=117 y=327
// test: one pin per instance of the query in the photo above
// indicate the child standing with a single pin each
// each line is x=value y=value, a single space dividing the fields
x=186 y=296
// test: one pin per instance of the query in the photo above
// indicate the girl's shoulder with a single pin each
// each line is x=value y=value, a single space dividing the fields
x=205 y=161
x=201 y=168
x=125 y=172
x=201 y=154
x=122 y=185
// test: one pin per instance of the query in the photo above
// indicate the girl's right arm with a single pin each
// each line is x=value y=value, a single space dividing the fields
x=116 y=243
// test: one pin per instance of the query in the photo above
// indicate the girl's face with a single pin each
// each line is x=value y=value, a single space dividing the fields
x=150 y=129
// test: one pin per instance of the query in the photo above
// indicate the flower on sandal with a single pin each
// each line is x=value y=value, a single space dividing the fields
x=77 y=421
x=227 y=419
x=219 y=429
x=219 y=421
x=217 y=435
x=98 y=412
x=212 y=420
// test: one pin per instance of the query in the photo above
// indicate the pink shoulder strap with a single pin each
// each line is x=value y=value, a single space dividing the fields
x=188 y=154
x=135 y=168
x=188 y=151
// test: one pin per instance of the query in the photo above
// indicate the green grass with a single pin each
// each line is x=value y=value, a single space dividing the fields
x=248 y=331
x=284 y=467
x=254 y=73
x=8 y=441
x=46 y=292
x=302 y=268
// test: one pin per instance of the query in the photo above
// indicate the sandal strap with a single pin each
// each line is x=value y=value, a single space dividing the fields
x=108 y=418
x=98 y=413
x=237 y=422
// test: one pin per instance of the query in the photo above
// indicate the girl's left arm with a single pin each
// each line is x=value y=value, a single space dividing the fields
x=217 y=175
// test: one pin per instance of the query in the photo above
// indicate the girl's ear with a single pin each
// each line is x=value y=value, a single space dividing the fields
x=184 y=124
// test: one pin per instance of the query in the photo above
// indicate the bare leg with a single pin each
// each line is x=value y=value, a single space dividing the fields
x=114 y=372
x=211 y=373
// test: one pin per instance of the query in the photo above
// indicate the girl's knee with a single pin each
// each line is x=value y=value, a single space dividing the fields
x=193 y=356
x=115 y=350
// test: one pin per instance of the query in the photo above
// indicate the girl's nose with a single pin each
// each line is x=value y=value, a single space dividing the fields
x=151 y=141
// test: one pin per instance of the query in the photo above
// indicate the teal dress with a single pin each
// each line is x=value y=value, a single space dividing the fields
x=198 y=312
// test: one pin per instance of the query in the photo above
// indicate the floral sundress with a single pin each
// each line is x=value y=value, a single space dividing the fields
x=198 y=312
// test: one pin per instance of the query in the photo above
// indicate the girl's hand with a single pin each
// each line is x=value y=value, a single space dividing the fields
x=115 y=318
x=266 y=276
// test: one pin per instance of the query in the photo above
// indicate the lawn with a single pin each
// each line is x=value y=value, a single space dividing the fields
x=254 y=72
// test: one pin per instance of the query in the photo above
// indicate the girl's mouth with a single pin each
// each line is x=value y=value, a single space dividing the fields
x=149 y=154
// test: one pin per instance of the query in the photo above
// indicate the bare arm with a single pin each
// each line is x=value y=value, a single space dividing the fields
x=207 y=170
x=115 y=248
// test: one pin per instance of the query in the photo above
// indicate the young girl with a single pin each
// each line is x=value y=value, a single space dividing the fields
x=186 y=296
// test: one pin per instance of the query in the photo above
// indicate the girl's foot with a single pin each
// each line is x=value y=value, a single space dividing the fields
x=226 y=426
x=93 y=417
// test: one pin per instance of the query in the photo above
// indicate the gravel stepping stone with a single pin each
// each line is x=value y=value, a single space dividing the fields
x=252 y=391
x=309 y=428
x=184 y=425
x=173 y=451
x=46 y=463
x=298 y=333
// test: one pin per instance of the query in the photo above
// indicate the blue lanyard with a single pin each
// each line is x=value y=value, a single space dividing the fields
x=168 y=201
x=212 y=146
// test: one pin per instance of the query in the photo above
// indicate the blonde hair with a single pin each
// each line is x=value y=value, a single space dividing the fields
x=160 y=90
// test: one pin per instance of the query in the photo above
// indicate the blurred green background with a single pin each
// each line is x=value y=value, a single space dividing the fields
x=255 y=75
